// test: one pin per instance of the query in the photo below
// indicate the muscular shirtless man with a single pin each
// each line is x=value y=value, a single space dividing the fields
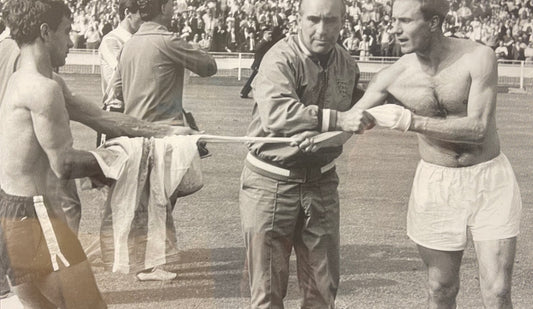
x=48 y=268
x=445 y=90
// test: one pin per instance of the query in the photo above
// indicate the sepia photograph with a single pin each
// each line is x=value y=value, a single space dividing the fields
x=254 y=154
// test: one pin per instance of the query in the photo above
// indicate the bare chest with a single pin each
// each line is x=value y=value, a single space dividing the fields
x=440 y=95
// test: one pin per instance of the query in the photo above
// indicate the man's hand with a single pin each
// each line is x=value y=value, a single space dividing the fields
x=324 y=140
x=355 y=120
x=392 y=116
x=302 y=137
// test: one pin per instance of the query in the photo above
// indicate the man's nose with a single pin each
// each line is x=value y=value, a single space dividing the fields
x=321 y=28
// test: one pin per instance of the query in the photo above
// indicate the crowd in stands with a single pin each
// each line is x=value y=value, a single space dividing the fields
x=237 y=25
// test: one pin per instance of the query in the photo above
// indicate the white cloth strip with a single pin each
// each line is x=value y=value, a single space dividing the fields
x=48 y=232
x=243 y=139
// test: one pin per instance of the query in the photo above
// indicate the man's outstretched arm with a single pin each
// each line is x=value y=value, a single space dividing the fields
x=113 y=124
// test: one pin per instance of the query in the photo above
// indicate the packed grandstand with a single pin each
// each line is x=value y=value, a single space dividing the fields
x=236 y=25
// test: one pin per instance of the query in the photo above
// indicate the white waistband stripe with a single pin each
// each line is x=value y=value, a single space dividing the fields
x=267 y=167
x=278 y=170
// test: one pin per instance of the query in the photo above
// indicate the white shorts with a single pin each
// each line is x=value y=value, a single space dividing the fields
x=445 y=201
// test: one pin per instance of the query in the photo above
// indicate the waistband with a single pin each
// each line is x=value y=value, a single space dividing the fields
x=283 y=174
x=499 y=158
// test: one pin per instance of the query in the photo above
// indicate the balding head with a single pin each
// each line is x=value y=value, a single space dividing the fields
x=341 y=2
x=320 y=22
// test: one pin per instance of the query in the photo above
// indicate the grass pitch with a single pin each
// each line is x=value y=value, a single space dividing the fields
x=380 y=267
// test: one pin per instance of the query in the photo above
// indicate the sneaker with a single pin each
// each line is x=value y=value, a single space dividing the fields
x=157 y=274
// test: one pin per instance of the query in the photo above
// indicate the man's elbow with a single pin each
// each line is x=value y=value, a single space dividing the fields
x=209 y=69
x=63 y=169
x=479 y=134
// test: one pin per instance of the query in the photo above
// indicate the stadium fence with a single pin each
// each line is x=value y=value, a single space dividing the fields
x=512 y=73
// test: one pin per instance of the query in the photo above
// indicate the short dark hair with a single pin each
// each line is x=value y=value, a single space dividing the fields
x=343 y=7
x=149 y=9
x=430 y=8
x=131 y=5
x=25 y=17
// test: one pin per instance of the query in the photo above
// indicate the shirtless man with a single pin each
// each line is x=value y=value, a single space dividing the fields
x=445 y=90
x=48 y=268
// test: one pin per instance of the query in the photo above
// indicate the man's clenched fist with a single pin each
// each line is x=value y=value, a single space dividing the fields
x=355 y=120
x=392 y=116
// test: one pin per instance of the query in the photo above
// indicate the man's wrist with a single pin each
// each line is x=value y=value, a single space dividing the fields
x=339 y=121
x=328 y=120
x=417 y=123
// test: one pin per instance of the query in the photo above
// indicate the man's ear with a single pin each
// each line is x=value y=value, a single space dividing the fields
x=45 y=31
x=162 y=7
x=434 y=23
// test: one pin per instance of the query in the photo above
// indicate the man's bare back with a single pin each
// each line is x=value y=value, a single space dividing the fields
x=442 y=93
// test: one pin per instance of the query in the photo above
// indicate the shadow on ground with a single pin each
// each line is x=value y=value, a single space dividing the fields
x=220 y=273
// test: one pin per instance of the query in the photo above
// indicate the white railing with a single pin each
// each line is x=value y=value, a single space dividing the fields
x=511 y=72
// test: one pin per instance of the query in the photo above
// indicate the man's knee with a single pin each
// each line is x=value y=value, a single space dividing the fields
x=498 y=292
x=443 y=292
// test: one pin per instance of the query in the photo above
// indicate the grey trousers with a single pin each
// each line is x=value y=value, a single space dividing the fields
x=279 y=215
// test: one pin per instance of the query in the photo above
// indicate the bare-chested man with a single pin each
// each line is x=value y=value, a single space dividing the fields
x=445 y=90
x=48 y=268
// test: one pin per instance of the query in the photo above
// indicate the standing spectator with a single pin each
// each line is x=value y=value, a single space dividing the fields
x=354 y=11
x=250 y=39
x=364 y=47
x=386 y=39
x=209 y=22
x=220 y=38
x=150 y=76
x=262 y=47
x=351 y=43
x=368 y=11
x=112 y=43
x=508 y=41
x=517 y=50
x=93 y=37
x=232 y=37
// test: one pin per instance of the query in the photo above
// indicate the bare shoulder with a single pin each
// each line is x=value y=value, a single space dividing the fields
x=479 y=59
x=479 y=50
x=472 y=52
x=35 y=91
x=386 y=76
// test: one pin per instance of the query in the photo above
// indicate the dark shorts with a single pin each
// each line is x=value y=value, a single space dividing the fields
x=24 y=249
